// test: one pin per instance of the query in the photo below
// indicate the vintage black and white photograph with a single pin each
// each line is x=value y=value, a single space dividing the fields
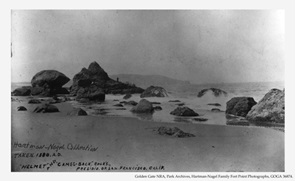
x=148 y=91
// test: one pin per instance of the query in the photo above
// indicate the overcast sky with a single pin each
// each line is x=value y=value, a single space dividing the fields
x=201 y=46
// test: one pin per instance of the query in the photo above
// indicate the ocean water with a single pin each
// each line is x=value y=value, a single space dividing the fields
x=185 y=94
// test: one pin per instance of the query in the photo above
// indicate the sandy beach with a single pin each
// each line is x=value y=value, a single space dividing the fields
x=58 y=142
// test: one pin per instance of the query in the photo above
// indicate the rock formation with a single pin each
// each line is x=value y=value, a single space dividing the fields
x=239 y=106
x=184 y=111
x=271 y=108
x=154 y=91
x=94 y=83
x=143 y=106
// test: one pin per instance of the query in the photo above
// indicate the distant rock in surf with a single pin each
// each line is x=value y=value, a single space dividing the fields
x=94 y=78
x=215 y=91
x=174 y=101
x=271 y=108
x=200 y=119
x=240 y=106
x=143 y=106
x=184 y=111
x=215 y=110
x=154 y=91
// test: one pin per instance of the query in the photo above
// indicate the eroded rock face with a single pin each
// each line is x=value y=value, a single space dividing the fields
x=143 y=106
x=91 y=93
x=216 y=92
x=154 y=91
x=271 y=108
x=184 y=111
x=94 y=77
x=240 y=106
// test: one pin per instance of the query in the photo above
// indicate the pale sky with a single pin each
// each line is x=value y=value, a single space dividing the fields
x=201 y=46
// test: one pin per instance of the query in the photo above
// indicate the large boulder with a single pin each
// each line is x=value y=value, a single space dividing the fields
x=143 y=106
x=95 y=76
x=154 y=91
x=46 y=108
x=49 y=82
x=52 y=78
x=23 y=91
x=271 y=108
x=240 y=106
x=216 y=92
x=184 y=111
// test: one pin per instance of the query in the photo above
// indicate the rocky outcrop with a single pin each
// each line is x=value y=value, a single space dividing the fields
x=23 y=91
x=46 y=108
x=271 y=108
x=184 y=111
x=174 y=132
x=95 y=78
x=216 y=92
x=77 y=112
x=240 y=106
x=154 y=91
x=49 y=82
x=143 y=106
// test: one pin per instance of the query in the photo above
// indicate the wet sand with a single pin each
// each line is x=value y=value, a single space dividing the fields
x=128 y=144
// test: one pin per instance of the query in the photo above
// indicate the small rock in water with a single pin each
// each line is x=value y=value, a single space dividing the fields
x=21 y=108
x=143 y=106
x=127 y=96
x=155 y=102
x=34 y=101
x=215 y=110
x=180 y=104
x=184 y=111
x=118 y=105
x=174 y=132
x=214 y=104
x=133 y=103
x=157 y=108
x=200 y=119
x=174 y=101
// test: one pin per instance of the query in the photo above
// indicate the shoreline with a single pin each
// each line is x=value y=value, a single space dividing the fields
x=129 y=142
